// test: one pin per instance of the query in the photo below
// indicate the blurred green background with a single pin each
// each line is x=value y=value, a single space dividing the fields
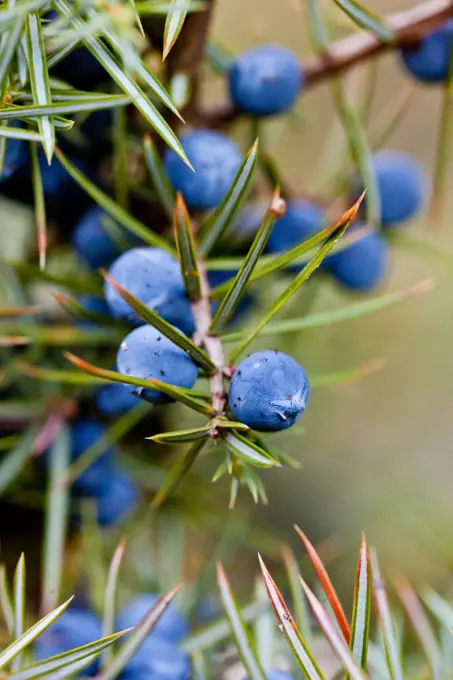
x=377 y=454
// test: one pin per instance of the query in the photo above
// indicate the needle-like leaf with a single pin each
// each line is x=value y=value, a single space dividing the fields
x=271 y=263
x=298 y=280
x=39 y=79
x=40 y=206
x=248 y=451
x=135 y=639
x=16 y=647
x=385 y=621
x=421 y=624
x=297 y=594
x=289 y=629
x=176 y=393
x=19 y=608
x=179 y=471
x=222 y=217
x=356 y=310
x=361 y=612
x=6 y=602
x=108 y=621
x=241 y=634
x=159 y=177
x=67 y=106
x=326 y=584
x=65 y=665
x=336 y=640
x=187 y=254
x=56 y=522
x=173 y=24
x=126 y=83
x=237 y=289
x=362 y=16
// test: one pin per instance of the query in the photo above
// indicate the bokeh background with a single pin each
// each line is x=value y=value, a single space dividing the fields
x=376 y=454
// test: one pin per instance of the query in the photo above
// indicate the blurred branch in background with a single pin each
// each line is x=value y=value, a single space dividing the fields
x=406 y=28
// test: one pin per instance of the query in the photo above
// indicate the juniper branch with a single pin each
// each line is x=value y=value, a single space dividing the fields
x=408 y=28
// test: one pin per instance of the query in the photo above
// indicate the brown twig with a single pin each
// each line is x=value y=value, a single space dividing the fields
x=211 y=343
x=408 y=28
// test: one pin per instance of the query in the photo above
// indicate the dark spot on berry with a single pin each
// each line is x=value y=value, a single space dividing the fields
x=162 y=372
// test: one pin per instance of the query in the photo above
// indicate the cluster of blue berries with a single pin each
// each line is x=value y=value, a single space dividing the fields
x=264 y=81
x=159 y=656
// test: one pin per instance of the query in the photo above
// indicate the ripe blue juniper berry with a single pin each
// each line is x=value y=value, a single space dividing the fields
x=215 y=159
x=92 y=240
x=301 y=220
x=84 y=433
x=362 y=265
x=157 y=658
x=172 y=625
x=112 y=400
x=159 y=655
x=93 y=303
x=146 y=353
x=74 y=628
x=403 y=186
x=265 y=80
x=154 y=277
x=429 y=60
x=116 y=498
x=269 y=390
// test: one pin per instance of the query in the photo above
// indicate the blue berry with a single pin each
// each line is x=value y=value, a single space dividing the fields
x=93 y=241
x=94 y=304
x=84 y=433
x=15 y=154
x=146 y=353
x=116 y=497
x=159 y=659
x=74 y=628
x=172 y=626
x=302 y=220
x=429 y=61
x=209 y=609
x=215 y=159
x=112 y=400
x=268 y=391
x=361 y=265
x=154 y=277
x=265 y=80
x=403 y=186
